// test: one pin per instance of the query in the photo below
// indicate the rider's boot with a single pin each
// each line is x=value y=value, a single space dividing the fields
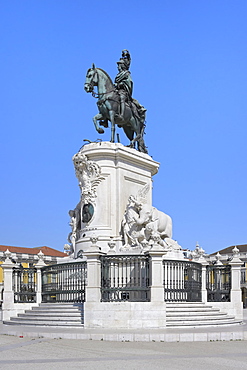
x=122 y=108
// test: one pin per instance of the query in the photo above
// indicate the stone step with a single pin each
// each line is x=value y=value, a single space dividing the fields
x=51 y=314
x=202 y=323
x=180 y=314
x=192 y=309
x=58 y=311
x=45 y=323
x=21 y=320
x=188 y=305
x=64 y=306
x=199 y=318
x=73 y=304
x=41 y=317
x=197 y=314
x=29 y=314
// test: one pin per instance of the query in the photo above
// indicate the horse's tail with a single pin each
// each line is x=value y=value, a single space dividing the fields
x=141 y=144
x=143 y=128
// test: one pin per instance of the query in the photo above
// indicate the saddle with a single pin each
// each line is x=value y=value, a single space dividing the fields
x=138 y=111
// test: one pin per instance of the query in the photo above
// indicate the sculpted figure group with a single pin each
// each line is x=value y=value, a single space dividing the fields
x=143 y=225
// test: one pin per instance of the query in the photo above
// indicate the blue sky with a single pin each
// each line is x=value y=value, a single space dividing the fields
x=189 y=61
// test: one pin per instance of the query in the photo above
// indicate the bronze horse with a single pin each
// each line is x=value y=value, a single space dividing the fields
x=108 y=105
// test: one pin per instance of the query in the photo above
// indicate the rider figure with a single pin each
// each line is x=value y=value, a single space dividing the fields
x=124 y=85
x=123 y=81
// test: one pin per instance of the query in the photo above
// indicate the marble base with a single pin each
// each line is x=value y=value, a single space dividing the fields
x=123 y=172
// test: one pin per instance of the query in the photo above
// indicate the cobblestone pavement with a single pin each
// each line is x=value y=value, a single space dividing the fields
x=42 y=353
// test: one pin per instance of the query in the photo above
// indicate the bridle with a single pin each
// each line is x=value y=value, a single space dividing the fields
x=91 y=87
x=91 y=84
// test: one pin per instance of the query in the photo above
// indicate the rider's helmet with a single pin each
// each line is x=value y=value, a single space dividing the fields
x=125 y=59
x=123 y=63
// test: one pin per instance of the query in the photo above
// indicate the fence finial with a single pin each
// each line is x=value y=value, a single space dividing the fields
x=112 y=245
x=218 y=261
x=8 y=255
x=41 y=259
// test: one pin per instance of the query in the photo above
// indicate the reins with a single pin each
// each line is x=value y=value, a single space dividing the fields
x=99 y=96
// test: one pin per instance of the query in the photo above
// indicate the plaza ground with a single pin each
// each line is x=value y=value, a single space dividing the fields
x=43 y=353
x=26 y=350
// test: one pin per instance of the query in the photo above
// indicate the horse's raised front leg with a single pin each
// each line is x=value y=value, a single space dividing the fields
x=96 y=118
x=112 y=119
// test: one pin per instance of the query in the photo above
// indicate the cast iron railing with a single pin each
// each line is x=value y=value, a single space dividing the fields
x=125 y=278
x=218 y=283
x=24 y=284
x=182 y=281
x=64 y=282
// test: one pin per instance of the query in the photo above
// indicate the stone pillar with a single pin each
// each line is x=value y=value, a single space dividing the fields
x=8 y=294
x=236 y=263
x=38 y=267
x=93 y=293
x=204 y=264
x=156 y=273
x=198 y=256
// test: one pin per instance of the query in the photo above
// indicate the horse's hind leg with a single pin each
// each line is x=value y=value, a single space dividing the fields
x=139 y=130
x=140 y=143
x=112 y=119
x=96 y=118
x=130 y=135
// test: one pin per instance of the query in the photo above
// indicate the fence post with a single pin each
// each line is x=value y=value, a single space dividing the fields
x=8 y=294
x=236 y=263
x=156 y=273
x=38 y=267
x=198 y=256
x=202 y=260
x=93 y=292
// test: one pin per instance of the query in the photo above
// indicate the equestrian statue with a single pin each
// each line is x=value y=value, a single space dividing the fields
x=115 y=102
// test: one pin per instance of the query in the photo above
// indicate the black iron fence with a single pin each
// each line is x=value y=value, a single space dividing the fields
x=218 y=283
x=24 y=284
x=125 y=278
x=64 y=282
x=182 y=281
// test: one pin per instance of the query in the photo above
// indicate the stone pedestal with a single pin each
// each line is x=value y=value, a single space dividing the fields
x=157 y=274
x=236 y=294
x=125 y=315
x=108 y=174
x=93 y=293
x=8 y=294
x=38 y=267
x=204 y=264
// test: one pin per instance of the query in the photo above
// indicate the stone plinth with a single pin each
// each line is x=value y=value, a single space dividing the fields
x=127 y=315
x=108 y=174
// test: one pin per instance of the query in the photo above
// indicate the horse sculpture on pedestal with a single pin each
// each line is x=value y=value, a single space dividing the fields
x=109 y=107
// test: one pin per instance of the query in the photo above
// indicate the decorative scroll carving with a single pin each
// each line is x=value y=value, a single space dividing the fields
x=89 y=176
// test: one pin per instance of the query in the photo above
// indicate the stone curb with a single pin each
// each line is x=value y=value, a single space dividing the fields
x=210 y=335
